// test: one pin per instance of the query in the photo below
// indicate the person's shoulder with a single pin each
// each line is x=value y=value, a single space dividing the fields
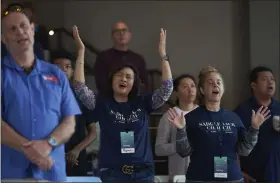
x=106 y=52
x=230 y=115
x=277 y=103
x=243 y=108
x=104 y=55
x=165 y=115
x=135 y=54
x=196 y=111
x=276 y=107
x=194 y=114
x=243 y=105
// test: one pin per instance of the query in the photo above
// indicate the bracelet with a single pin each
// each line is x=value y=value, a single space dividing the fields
x=165 y=58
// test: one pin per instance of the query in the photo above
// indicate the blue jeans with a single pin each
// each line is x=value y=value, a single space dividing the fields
x=117 y=176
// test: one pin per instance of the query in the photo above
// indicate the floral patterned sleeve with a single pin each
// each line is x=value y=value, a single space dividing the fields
x=161 y=95
x=87 y=96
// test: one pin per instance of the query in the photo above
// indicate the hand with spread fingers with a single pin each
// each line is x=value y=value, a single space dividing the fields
x=178 y=120
x=78 y=41
x=259 y=117
x=162 y=43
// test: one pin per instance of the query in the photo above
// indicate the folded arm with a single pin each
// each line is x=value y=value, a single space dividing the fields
x=183 y=146
x=246 y=144
x=164 y=145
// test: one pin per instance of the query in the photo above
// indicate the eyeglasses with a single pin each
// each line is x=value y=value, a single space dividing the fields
x=12 y=9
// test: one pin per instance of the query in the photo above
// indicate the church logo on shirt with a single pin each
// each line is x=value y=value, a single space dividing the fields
x=133 y=117
x=215 y=127
x=50 y=78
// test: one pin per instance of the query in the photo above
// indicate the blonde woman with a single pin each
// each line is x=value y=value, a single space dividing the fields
x=212 y=135
x=185 y=88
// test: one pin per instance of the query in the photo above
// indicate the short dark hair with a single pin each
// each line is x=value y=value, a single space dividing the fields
x=61 y=54
x=176 y=81
x=135 y=88
x=255 y=73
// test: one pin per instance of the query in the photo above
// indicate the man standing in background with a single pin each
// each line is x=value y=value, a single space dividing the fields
x=117 y=56
x=263 y=163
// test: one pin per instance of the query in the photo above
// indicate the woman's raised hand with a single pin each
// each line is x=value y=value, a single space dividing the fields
x=79 y=43
x=162 y=43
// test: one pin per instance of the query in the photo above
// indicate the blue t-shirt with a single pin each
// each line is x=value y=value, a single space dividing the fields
x=213 y=134
x=115 y=118
x=263 y=163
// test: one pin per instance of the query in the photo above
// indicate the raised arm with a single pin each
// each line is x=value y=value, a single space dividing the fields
x=183 y=146
x=87 y=96
x=161 y=95
x=247 y=143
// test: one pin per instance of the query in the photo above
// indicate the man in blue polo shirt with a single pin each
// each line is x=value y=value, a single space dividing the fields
x=38 y=107
x=263 y=164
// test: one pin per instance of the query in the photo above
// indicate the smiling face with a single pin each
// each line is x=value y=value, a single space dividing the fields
x=123 y=82
x=213 y=87
x=18 y=32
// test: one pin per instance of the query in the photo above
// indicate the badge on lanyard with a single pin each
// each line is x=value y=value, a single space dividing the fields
x=220 y=167
x=127 y=142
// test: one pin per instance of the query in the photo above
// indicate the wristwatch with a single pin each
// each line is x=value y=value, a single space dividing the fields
x=165 y=57
x=52 y=142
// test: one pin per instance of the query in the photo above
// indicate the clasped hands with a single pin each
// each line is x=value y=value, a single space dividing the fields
x=38 y=152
